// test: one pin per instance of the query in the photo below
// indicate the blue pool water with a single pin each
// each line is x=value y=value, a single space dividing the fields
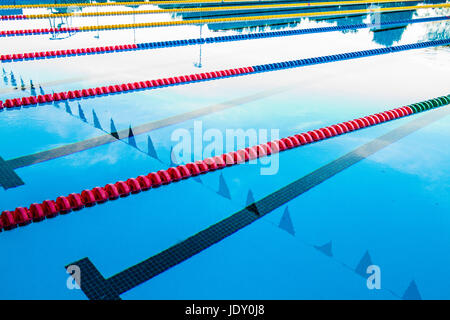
x=390 y=210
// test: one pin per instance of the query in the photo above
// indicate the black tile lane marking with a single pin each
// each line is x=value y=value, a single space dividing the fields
x=94 y=286
x=8 y=178
x=69 y=149
x=123 y=281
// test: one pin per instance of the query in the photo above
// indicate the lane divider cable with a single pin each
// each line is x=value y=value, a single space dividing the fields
x=29 y=32
x=124 y=3
x=22 y=216
x=197 y=9
x=16 y=57
x=44 y=99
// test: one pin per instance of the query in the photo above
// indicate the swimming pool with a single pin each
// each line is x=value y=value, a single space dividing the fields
x=305 y=223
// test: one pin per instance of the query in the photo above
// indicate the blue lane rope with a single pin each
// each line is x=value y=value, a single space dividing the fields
x=261 y=35
x=347 y=56
x=187 y=42
x=214 y=75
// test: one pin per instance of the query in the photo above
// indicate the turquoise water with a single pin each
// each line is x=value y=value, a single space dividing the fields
x=394 y=204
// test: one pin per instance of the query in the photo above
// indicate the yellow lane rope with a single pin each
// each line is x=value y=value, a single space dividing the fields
x=128 y=3
x=256 y=18
x=210 y=9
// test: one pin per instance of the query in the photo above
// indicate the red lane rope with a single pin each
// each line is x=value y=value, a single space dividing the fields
x=22 y=216
x=124 y=87
x=214 y=75
x=14 y=17
x=9 y=33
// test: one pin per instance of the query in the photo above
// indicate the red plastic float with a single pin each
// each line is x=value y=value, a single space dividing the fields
x=154 y=179
x=133 y=185
x=50 y=208
x=88 y=198
x=7 y=220
x=37 y=212
x=112 y=191
x=100 y=195
x=63 y=205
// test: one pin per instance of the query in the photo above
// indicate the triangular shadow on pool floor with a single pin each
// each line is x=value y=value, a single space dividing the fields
x=131 y=139
x=412 y=292
x=365 y=261
x=286 y=222
x=224 y=191
x=151 y=148
x=326 y=249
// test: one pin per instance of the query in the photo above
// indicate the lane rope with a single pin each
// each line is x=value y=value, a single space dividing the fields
x=128 y=3
x=16 y=57
x=197 y=9
x=29 y=32
x=36 y=212
x=96 y=287
x=44 y=99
